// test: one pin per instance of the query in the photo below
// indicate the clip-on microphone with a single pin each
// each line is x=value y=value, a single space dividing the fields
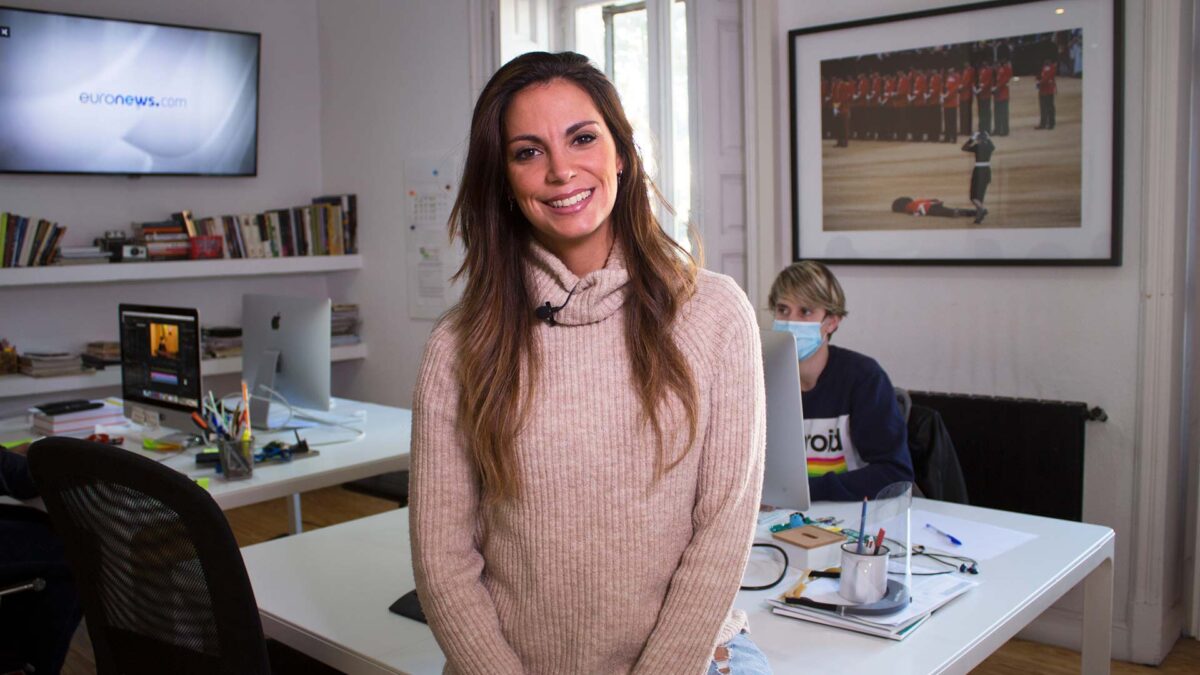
x=546 y=312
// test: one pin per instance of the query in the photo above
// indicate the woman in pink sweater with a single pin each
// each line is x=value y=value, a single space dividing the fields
x=588 y=425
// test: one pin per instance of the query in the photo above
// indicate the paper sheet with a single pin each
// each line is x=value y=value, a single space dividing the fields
x=979 y=541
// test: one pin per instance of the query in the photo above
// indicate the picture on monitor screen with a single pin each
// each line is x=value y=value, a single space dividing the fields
x=160 y=356
x=90 y=95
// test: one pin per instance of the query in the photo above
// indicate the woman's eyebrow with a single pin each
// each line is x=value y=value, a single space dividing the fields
x=534 y=138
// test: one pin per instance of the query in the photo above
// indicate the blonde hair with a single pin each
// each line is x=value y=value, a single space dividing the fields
x=812 y=281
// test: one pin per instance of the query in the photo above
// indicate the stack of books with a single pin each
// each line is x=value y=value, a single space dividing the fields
x=221 y=341
x=51 y=364
x=100 y=354
x=26 y=242
x=79 y=423
x=167 y=240
x=928 y=594
x=345 y=325
x=82 y=255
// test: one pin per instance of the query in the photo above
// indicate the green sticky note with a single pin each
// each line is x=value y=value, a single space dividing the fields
x=12 y=444
x=202 y=482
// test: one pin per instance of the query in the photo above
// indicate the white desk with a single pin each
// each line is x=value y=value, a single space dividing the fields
x=383 y=448
x=326 y=593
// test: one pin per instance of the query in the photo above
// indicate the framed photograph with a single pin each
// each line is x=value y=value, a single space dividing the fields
x=985 y=134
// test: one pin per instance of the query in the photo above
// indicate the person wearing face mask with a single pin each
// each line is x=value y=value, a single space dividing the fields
x=855 y=435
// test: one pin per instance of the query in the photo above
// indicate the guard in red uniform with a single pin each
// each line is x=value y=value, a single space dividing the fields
x=966 y=94
x=1004 y=74
x=887 y=110
x=918 y=102
x=902 y=104
x=983 y=93
x=858 y=103
x=950 y=100
x=1047 y=87
x=826 y=108
x=929 y=207
x=933 y=110
x=873 y=109
x=842 y=95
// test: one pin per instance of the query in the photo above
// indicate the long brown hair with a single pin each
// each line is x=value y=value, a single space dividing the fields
x=494 y=321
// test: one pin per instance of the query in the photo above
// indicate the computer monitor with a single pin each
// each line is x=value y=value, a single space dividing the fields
x=285 y=349
x=785 y=478
x=160 y=364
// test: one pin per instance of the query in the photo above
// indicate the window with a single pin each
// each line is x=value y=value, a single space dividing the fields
x=642 y=47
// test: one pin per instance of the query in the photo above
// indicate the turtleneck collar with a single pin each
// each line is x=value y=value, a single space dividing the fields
x=597 y=295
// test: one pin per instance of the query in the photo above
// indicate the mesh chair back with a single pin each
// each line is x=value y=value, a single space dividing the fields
x=162 y=581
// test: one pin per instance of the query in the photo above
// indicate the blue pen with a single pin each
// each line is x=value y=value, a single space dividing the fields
x=862 y=527
x=953 y=540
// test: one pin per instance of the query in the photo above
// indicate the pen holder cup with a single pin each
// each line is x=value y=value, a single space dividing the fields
x=237 y=458
x=864 y=576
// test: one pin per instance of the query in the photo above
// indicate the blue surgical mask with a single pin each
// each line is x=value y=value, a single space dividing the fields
x=807 y=334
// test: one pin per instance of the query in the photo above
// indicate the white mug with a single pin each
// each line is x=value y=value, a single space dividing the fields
x=864 y=576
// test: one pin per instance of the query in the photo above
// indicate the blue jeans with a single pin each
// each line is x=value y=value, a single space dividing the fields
x=745 y=658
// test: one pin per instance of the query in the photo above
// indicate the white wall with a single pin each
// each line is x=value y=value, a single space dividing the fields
x=289 y=173
x=396 y=81
x=1045 y=332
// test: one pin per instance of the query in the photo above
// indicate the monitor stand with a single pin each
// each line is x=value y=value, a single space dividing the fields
x=260 y=399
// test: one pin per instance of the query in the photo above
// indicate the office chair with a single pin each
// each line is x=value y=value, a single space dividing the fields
x=162 y=581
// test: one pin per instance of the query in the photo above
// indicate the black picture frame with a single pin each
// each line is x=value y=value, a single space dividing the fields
x=1054 y=197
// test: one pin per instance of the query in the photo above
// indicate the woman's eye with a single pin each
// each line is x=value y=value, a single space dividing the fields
x=584 y=139
x=525 y=153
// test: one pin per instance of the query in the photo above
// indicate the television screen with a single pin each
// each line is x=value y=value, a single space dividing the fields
x=89 y=95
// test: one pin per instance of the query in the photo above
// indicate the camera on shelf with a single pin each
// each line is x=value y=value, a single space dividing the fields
x=120 y=247
x=129 y=252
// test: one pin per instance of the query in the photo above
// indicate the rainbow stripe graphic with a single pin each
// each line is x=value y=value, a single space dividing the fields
x=819 y=466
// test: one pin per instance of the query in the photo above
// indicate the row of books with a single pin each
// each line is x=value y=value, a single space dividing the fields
x=328 y=226
x=28 y=243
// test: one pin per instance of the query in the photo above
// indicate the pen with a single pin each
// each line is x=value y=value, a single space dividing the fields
x=878 y=540
x=953 y=540
x=862 y=527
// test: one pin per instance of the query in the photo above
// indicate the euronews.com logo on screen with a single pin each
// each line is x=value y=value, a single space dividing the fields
x=132 y=100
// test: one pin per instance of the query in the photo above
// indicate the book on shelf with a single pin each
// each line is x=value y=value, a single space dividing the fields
x=82 y=422
x=221 y=341
x=51 y=364
x=185 y=221
x=928 y=593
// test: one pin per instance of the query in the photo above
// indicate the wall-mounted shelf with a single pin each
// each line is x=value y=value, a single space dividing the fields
x=178 y=269
x=23 y=385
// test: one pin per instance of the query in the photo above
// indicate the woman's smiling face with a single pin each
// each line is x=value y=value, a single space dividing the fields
x=562 y=166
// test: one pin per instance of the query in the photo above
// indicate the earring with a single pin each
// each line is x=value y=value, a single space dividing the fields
x=619 y=174
x=510 y=204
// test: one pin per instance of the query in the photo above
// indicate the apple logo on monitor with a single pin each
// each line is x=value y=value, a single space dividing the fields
x=275 y=322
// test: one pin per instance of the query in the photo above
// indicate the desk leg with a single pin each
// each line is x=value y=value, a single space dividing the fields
x=1097 y=619
x=296 y=526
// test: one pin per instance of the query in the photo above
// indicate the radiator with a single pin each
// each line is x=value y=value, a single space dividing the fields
x=1016 y=454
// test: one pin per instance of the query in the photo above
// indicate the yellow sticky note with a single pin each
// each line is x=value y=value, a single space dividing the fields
x=202 y=482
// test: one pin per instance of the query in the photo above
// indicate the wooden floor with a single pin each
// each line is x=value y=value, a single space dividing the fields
x=262 y=522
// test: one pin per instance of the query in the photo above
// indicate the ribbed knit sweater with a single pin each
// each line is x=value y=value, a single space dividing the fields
x=598 y=567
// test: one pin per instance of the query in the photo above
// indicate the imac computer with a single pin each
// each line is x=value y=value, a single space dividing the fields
x=160 y=365
x=285 y=353
x=785 y=475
